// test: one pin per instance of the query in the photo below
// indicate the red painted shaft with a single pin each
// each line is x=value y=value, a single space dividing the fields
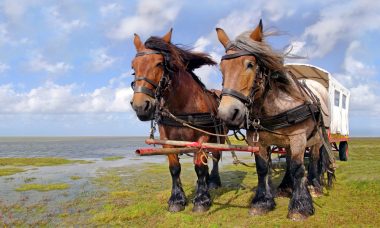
x=216 y=146
x=164 y=151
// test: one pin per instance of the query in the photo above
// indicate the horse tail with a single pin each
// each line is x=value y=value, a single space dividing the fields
x=327 y=165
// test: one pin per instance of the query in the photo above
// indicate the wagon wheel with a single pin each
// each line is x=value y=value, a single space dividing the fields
x=343 y=151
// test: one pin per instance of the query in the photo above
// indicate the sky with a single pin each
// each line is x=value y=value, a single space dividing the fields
x=65 y=66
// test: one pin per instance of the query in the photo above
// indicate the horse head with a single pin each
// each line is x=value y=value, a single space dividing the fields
x=239 y=69
x=149 y=68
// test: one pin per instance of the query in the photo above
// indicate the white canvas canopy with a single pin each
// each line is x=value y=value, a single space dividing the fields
x=339 y=95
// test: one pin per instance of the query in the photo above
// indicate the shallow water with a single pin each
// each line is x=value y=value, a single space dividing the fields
x=87 y=148
x=70 y=147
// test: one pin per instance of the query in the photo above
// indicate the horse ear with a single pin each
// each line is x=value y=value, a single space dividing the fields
x=222 y=36
x=257 y=34
x=168 y=36
x=137 y=42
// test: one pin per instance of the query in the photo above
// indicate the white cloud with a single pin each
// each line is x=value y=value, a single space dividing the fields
x=201 y=44
x=237 y=22
x=151 y=16
x=51 y=98
x=64 y=25
x=358 y=77
x=339 y=23
x=101 y=60
x=279 y=9
x=354 y=66
x=355 y=71
x=15 y=9
x=39 y=63
x=7 y=39
x=3 y=67
x=364 y=99
x=110 y=9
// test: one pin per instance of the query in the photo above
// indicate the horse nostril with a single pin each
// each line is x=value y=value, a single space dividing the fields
x=131 y=102
x=236 y=112
x=147 y=105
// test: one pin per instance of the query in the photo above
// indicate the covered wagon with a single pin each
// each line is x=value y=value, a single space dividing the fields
x=339 y=104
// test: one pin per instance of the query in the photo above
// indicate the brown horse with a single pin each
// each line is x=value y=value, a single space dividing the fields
x=165 y=84
x=260 y=95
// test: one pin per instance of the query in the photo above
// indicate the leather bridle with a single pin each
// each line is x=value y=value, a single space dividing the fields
x=247 y=100
x=157 y=87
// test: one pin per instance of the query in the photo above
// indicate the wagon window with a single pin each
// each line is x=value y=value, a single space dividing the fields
x=336 y=98
x=344 y=101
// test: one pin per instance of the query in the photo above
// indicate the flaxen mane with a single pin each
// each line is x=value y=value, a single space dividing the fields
x=270 y=61
x=179 y=59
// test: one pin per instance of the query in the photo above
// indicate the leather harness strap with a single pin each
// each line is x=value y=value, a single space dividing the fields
x=282 y=120
x=290 y=117
x=202 y=120
x=236 y=94
x=144 y=89
x=237 y=54
x=147 y=53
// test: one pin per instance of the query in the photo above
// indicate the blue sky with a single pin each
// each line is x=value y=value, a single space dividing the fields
x=65 y=65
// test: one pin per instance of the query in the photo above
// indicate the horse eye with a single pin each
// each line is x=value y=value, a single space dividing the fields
x=159 y=64
x=249 y=65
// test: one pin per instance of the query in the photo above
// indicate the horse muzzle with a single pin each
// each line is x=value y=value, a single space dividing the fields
x=232 y=112
x=145 y=110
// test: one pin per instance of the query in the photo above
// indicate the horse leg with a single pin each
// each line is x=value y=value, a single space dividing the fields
x=314 y=171
x=263 y=202
x=326 y=166
x=301 y=204
x=177 y=200
x=285 y=188
x=202 y=200
x=214 y=180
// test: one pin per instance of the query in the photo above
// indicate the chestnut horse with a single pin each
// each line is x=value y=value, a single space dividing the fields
x=260 y=95
x=165 y=84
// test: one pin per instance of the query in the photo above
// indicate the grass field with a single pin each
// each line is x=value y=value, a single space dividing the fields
x=136 y=196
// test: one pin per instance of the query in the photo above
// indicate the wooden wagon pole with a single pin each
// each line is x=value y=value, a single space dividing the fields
x=216 y=146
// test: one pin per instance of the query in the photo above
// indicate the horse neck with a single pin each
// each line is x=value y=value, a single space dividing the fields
x=185 y=95
x=278 y=100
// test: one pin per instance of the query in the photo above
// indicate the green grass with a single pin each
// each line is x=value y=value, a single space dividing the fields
x=113 y=158
x=354 y=200
x=10 y=171
x=136 y=196
x=43 y=187
x=75 y=177
x=43 y=161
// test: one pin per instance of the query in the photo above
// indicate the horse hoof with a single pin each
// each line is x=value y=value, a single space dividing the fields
x=176 y=207
x=258 y=211
x=284 y=192
x=200 y=208
x=315 y=192
x=297 y=216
